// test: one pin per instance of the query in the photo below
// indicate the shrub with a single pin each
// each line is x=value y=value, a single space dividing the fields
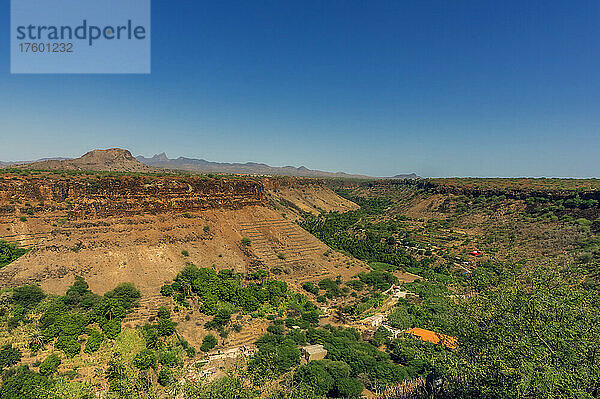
x=68 y=344
x=50 y=365
x=164 y=313
x=315 y=375
x=246 y=241
x=190 y=351
x=401 y=318
x=150 y=334
x=185 y=253
x=310 y=287
x=208 y=343
x=145 y=359
x=22 y=383
x=168 y=359
x=28 y=296
x=9 y=252
x=166 y=327
x=126 y=293
x=165 y=377
x=94 y=341
x=348 y=388
x=9 y=356
x=111 y=328
x=166 y=290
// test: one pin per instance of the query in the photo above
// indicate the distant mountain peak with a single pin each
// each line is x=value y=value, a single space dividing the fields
x=162 y=157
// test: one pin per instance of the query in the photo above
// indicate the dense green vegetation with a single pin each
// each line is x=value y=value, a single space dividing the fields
x=66 y=318
x=60 y=322
x=355 y=233
x=225 y=293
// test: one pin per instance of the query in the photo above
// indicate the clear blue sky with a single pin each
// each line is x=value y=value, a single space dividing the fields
x=441 y=88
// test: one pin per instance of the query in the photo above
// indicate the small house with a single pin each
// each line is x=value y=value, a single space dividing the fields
x=375 y=320
x=314 y=352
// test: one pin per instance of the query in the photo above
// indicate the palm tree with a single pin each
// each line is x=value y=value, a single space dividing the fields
x=37 y=339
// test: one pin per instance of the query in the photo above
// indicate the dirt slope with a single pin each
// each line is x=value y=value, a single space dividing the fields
x=147 y=250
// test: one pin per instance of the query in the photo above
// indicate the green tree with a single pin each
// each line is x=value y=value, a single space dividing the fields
x=9 y=356
x=126 y=294
x=22 y=383
x=208 y=342
x=145 y=359
x=28 y=296
x=95 y=339
x=50 y=365
x=524 y=337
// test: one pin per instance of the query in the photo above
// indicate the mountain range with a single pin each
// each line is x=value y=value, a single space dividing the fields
x=249 y=168
x=116 y=159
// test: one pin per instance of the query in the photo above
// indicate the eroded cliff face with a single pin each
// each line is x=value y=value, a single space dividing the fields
x=96 y=197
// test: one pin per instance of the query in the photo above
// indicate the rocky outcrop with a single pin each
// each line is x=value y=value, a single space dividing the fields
x=113 y=159
x=125 y=195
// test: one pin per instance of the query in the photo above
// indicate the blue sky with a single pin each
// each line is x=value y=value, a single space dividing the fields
x=440 y=88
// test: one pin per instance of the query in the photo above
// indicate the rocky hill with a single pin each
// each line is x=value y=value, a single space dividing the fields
x=114 y=160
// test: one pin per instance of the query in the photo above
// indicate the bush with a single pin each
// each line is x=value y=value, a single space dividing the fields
x=68 y=344
x=164 y=312
x=315 y=375
x=9 y=253
x=190 y=351
x=50 y=365
x=401 y=318
x=348 y=388
x=111 y=328
x=145 y=360
x=165 y=377
x=380 y=280
x=166 y=290
x=9 y=356
x=168 y=359
x=276 y=355
x=246 y=241
x=28 y=296
x=208 y=343
x=310 y=287
x=126 y=294
x=94 y=341
x=219 y=321
x=22 y=383
x=166 y=327
x=185 y=253
x=150 y=334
